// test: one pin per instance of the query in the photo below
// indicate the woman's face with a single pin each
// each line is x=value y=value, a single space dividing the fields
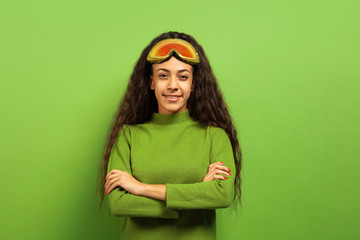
x=172 y=77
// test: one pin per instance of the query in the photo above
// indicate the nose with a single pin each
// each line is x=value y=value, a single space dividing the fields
x=173 y=84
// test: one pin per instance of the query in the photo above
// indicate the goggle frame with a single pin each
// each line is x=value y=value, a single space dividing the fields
x=153 y=58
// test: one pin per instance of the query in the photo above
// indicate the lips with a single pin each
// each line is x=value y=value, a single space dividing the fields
x=172 y=95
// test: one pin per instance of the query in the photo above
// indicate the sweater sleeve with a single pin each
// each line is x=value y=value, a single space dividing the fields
x=123 y=203
x=212 y=194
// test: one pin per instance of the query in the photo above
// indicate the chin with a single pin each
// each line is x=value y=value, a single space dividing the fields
x=174 y=109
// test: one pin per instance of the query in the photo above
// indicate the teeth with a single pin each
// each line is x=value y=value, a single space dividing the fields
x=169 y=96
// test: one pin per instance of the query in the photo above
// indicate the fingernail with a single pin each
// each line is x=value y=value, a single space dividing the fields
x=225 y=177
x=229 y=170
x=221 y=162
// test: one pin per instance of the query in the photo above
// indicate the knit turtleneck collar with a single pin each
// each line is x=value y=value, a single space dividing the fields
x=173 y=118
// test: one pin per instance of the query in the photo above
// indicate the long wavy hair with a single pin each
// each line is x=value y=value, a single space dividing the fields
x=205 y=104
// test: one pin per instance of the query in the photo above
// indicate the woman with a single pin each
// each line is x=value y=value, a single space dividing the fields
x=172 y=156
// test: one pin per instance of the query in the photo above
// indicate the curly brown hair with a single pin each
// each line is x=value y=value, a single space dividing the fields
x=205 y=104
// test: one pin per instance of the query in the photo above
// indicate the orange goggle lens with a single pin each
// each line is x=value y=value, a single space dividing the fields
x=164 y=49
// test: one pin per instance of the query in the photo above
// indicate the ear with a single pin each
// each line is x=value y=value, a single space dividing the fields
x=151 y=83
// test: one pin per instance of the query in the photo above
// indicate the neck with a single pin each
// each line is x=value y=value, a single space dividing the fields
x=173 y=118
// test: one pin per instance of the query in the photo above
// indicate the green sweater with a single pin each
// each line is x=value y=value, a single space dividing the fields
x=175 y=150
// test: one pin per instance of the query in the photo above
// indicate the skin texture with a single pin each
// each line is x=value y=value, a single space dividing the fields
x=116 y=178
x=172 y=77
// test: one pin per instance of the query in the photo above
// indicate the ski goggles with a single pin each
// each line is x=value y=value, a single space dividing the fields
x=163 y=49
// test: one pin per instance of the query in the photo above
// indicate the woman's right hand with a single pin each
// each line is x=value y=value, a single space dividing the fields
x=214 y=169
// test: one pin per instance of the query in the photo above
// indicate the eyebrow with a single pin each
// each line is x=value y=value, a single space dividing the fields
x=182 y=70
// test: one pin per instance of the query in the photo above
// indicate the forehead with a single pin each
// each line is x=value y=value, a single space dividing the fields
x=172 y=65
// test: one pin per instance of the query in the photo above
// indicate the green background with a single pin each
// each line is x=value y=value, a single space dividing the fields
x=289 y=71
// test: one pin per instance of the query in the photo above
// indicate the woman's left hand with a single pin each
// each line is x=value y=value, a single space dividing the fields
x=116 y=178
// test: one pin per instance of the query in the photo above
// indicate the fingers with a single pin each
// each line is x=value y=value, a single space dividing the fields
x=219 y=177
x=111 y=179
x=218 y=171
x=213 y=177
x=111 y=187
x=214 y=171
x=223 y=168
x=218 y=165
x=113 y=171
x=214 y=165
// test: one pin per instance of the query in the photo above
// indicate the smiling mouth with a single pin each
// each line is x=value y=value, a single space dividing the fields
x=172 y=95
x=172 y=98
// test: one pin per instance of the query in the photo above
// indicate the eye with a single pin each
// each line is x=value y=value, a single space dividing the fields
x=184 y=77
x=162 y=75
